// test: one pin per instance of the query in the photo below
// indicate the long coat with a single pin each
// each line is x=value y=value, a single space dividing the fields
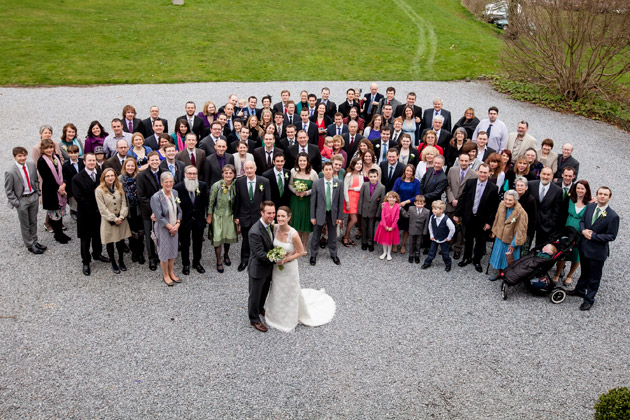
x=49 y=185
x=515 y=225
x=88 y=217
x=112 y=205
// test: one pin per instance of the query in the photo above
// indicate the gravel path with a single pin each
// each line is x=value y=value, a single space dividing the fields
x=404 y=343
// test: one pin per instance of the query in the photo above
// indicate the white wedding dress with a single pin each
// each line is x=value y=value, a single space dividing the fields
x=287 y=304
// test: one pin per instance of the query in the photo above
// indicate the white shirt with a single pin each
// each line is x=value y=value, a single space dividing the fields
x=92 y=172
x=27 y=190
x=449 y=225
x=281 y=173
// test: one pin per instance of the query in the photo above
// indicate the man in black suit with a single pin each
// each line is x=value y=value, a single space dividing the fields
x=148 y=183
x=370 y=102
x=69 y=169
x=243 y=135
x=565 y=183
x=193 y=196
x=338 y=127
x=434 y=182
x=230 y=120
x=307 y=125
x=195 y=123
x=281 y=107
x=207 y=143
x=291 y=117
x=278 y=120
x=382 y=145
x=312 y=105
x=116 y=162
x=391 y=169
x=192 y=155
x=153 y=141
x=350 y=102
x=427 y=118
x=290 y=140
x=476 y=208
x=215 y=162
x=549 y=198
x=131 y=124
x=442 y=136
x=411 y=101
x=232 y=100
x=351 y=139
x=88 y=217
x=147 y=124
x=174 y=166
x=251 y=191
x=331 y=107
x=566 y=159
x=302 y=146
x=279 y=181
x=599 y=226
x=483 y=151
x=251 y=109
x=263 y=156
x=260 y=268
x=235 y=135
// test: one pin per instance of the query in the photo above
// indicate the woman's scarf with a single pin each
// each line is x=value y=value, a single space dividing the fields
x=56 y=171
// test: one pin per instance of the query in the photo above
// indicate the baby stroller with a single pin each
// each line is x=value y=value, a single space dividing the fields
x=533 y=269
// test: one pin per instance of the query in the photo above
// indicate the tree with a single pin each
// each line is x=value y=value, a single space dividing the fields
x=575 y=47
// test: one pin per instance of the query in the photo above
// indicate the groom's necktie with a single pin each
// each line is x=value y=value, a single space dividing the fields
x=270 y=233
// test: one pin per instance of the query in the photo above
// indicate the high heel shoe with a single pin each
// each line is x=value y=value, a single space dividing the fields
x=167 y=283
x=220 y=268
x=227 y=261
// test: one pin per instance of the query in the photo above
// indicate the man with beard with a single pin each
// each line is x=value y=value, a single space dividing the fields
x=193 y=195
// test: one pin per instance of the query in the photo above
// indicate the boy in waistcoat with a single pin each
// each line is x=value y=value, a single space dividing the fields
x=441 y=231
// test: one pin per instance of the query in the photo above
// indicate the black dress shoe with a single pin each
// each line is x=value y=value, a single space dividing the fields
x=425 y=266
x=371 y=248
x=447 y=268
x=456 y=255
x=141 y=259
x=336 y=260
x=478 y=267
x=115 y=268
x=86 y=269
x=364 y=247
x=199 y=268
x=40 y=246
x=152 y=265
x=586 y=306
x=121 y=265
x=416 y=259
x=313 y=261
x=242 y=266
x=464 y=262
x=575 y=292
x=36 y=250
x=101 y=258
x=411 y=259
x=186 y=270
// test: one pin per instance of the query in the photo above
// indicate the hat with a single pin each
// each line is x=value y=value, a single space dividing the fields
x=99 y=149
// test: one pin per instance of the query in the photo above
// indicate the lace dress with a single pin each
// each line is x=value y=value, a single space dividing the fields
x=287 y=304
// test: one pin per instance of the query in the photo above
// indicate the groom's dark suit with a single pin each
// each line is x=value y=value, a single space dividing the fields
x=259 y=269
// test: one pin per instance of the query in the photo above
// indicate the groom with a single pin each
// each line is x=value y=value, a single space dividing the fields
x=259 y=267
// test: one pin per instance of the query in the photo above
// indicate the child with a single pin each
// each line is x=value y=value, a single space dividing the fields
x=441 y=231
x=371 y=197
x=418 y=226
x=327 y=150
x=99 y=152
x=387 y=231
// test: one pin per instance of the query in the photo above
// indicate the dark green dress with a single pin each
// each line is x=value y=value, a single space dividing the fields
x=573 y=220
x=301 y=209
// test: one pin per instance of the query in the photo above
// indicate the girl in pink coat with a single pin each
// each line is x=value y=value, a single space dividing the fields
x=387 y=231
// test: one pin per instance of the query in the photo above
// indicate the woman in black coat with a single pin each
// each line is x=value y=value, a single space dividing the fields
x=54 y=196
x=530 y=205
x=469 y=122
x=454 y=147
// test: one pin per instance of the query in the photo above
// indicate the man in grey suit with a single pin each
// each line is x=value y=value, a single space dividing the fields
x=389 y=99
x=326 y=207
x=371 y=198
x=260 y=268
x=457 y=178
x=21 y=185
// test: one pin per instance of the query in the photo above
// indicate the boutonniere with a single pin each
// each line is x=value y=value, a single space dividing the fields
x=412 y=156
x=286 y=175
x=377 y=146
x=55 y=161
x=604 y=214
x=513 y=220
x=197 y=192
x=261 y=187
x=224 y=188
x=335 y=185
x=177 y=200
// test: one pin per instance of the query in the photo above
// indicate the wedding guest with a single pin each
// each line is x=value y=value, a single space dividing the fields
x=387 y=233
x=506 y=159
x=148 y=184
x=494 y=128
x=418 y=217
x=363 y=146
x=426 y=161
x=175 y=167
x=373 y=130
x=168 y=214
x=278 y=178
x=110 y=142
x=208 y=114
x=88 y=218
x=139 y=151
x=327 y=150
x=520 y=169
x=407 y=154
x=519 y=142
x=470 y=148
x=371 y=196
x=99 y=154
x=546 y=156
x=112 y=206
x=148 y=123
x=566 y=159
x=215 y=162
x=353 y=115
x=192 y=155
x=353 y=139
x=455 y=146
x=391 y=169
x=468 y=122
x=497 y=175
x=534 y=165
x=116 y=160
x=221 y=216
x=579 y=197
x=326 y=209
x=53 y=187
x=301 y=185
x=241 y=157
x=70 y=168
x=429 y=138
x=208 y=143
x=338 y=145
x=369 y=163
x=407 y=187
x=130 y=187
x=266 y=119
x=434 y=182
x=509 y=231
x=158 y=128
x=457 y=177
x=255 y=130
x=529 y=204
x=45 y=133
x=549 y=197
x=95 y=137
x=441 y=231
x=131 y=124
x=410 y=126
x=567 y=181
x=352 y=189
x=21 y=186
x=178 y=137
x=69 y=138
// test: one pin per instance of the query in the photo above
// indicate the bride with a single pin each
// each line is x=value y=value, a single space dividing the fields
x=287 y=304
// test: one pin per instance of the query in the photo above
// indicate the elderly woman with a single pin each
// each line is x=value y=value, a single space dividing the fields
x=54 y=196
x=510 y=232
x=530 y=205
x=220 y=216
x=430 y=139
x=168 y=214
x=546 y=156
x=112 y=205
x=468 y=122
x=426 y=161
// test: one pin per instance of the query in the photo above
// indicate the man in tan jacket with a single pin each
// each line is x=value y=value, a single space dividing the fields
x=519 y=142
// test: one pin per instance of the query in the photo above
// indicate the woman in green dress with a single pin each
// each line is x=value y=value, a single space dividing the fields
x=579 y=197
x=300 y=184
x=220 y=215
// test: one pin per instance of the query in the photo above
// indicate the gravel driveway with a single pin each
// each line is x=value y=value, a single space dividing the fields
x=403 y=344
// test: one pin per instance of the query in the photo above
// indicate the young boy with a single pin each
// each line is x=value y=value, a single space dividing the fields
x=22 y=188
x=70 y=168
x=370 y=200
x=441 y=231
x=418 y=226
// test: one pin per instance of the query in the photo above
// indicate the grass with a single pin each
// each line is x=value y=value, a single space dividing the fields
x=151 y=41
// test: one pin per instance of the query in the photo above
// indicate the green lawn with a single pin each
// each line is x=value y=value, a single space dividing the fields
x=101 y=41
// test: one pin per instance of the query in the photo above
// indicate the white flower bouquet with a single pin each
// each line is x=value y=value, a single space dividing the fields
x=277 y=254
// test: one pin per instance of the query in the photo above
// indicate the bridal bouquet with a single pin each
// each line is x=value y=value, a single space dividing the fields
x=277 y=254
x=300 y=186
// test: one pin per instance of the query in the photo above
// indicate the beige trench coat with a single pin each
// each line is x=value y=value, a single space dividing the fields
x=110 y=205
